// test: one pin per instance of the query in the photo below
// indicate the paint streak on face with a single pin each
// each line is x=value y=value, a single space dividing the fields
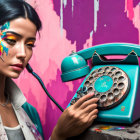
x=3 y=47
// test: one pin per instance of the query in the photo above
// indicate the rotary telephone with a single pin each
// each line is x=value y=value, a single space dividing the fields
x=115 y=82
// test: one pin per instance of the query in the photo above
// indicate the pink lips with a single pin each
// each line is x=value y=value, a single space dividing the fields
x=17 y=67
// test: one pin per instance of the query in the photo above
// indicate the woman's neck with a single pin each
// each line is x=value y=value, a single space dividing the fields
x=2 y=87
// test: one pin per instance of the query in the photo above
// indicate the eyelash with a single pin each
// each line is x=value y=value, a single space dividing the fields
x=10 y=41
x=31 y=45
x=13 y=42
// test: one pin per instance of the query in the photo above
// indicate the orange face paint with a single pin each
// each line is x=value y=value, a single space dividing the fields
x=31 y=43
x=8 y=36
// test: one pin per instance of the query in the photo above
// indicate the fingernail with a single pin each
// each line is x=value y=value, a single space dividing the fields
x=91 y=93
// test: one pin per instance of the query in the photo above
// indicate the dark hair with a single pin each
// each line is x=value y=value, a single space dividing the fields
x=12 y=9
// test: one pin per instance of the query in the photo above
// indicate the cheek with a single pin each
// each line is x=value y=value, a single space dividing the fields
x=11 y=53
x=28 y=56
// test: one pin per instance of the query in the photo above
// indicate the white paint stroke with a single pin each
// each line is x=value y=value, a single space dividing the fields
x=91 y=33
x=61 y=16
x=96 y=9
x=65 y=3
x=72 y=6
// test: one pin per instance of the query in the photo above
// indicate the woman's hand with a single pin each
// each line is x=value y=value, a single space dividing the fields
x=76 y=118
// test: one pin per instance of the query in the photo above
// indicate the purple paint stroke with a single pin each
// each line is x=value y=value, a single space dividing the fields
x=113 y=24
x=135 y=2
x=78 y=24
x=55 y=87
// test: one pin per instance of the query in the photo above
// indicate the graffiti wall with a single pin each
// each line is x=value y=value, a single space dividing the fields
x=72 y=25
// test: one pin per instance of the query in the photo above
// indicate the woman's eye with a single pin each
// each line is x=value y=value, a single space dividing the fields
x=31 y=45
x=10 y=41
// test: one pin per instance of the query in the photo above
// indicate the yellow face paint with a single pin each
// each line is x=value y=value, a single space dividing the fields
x=12 y=37
x=1 y=49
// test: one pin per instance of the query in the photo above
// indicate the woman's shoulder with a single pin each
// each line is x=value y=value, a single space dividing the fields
x=29 y=108
x=33 y=115
x=31 y=112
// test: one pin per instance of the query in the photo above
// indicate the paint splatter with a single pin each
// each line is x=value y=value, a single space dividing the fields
x=3 y=48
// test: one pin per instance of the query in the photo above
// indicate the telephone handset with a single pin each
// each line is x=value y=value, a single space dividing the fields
x=115 y=83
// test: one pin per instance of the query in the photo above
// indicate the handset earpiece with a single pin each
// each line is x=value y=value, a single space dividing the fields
x=73 y=66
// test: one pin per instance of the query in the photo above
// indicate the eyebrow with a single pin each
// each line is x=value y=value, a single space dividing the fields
x=30 y=38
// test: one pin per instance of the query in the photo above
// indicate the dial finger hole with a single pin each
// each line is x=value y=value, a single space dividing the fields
x=90 y=89
x=87 y=83
x=115 y=79
x=118 y=73
x=107 y=69
x=97 y=95
x=121 y=85
x=116 y=91
x=121 y=78
x=110 y=73
x=93 y=72
x=103 y=98
x=113 y=69
x=91 y=79
x=110 y=96
x=100 y=70
x=104 y=73
x=115 y=85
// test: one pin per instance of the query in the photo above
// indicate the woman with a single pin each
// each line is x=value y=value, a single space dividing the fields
x=19 y=24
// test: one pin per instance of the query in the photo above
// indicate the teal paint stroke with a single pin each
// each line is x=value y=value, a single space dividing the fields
x=5 y=26
x=5 y=49
x=3 y=35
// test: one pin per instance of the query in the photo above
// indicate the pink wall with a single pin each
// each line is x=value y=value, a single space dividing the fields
x=73 y=25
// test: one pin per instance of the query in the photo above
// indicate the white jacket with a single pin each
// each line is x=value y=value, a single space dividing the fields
x=18 y=99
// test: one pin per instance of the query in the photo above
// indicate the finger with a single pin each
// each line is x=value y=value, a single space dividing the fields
x=89 y=102
x=91 y=119
x=83 y=99
x=90 y=108
x=92 y=113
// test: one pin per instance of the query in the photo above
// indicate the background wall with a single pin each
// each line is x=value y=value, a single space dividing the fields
x=73 y=25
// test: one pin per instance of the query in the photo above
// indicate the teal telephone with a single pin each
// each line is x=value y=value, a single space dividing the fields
x=115 y=83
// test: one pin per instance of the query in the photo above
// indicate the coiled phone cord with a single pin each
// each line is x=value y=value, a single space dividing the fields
x=30 y=70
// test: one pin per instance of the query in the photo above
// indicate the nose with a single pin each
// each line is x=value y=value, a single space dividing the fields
x=21 y=51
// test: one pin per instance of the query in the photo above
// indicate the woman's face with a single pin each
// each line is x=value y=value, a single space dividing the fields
x=19 y=39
